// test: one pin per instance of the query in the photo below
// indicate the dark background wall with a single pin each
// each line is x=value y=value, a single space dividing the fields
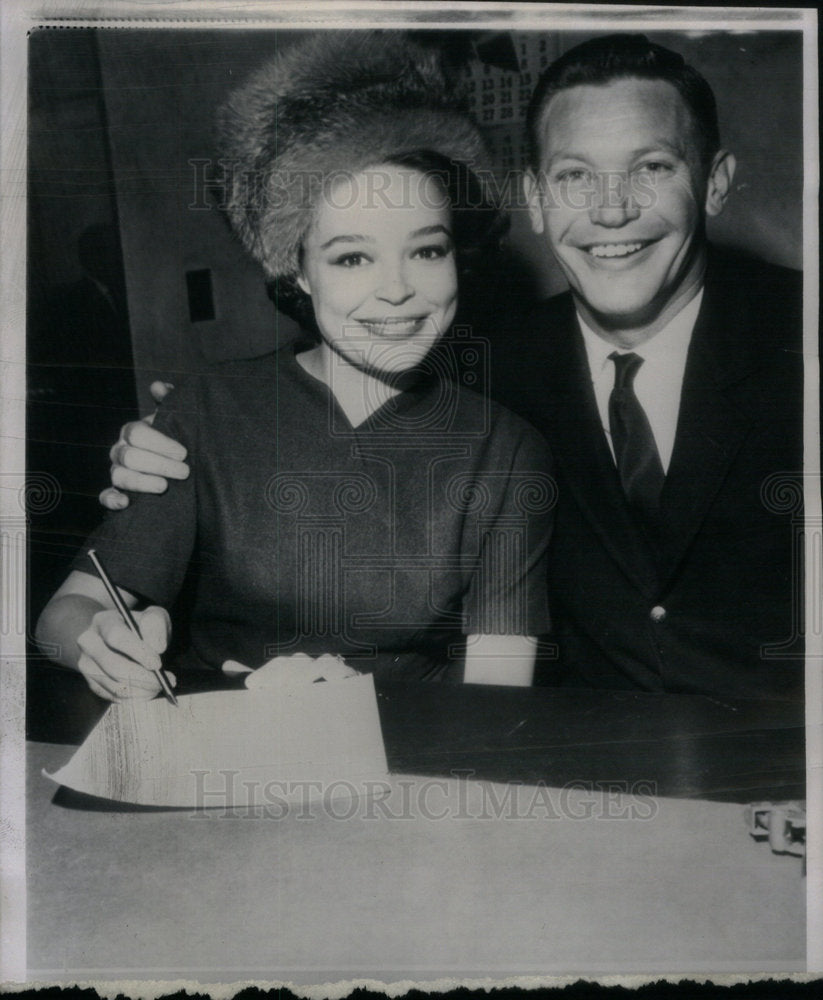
x=81 y=384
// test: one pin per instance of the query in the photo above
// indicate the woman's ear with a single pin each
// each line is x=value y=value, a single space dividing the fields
x=302 y=284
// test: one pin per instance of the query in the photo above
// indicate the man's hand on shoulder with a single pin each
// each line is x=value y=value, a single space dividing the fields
x=143 y=459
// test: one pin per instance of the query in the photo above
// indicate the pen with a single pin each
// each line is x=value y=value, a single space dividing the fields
x=126 y=615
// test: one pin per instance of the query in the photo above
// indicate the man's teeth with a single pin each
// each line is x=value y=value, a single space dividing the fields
x=615 y=249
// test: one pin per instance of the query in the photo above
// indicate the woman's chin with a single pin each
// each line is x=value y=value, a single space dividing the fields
x=397 y=358
x=400 y=377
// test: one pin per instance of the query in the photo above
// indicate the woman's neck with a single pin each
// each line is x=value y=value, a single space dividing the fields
x=358 y=394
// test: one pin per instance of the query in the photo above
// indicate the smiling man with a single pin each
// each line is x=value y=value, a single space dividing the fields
x=668 y=380
x=620 y=191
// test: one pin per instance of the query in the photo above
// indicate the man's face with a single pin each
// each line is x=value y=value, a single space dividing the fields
x=622 y=198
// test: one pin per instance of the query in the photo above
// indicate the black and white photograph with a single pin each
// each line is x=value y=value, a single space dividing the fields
x=411 y=523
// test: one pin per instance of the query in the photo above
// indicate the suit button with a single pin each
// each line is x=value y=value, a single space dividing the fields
x=657 y=614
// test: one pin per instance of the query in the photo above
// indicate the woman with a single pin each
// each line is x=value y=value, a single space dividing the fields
x=350 y=498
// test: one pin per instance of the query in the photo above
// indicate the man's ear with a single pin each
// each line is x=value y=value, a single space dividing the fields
x=718 y=188
x=302 y=284
x=534 y=201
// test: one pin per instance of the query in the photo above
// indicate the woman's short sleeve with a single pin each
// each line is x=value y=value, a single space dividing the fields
x=147 y=547
x=508 y=594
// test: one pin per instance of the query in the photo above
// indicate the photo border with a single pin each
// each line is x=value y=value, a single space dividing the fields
x=18 y=18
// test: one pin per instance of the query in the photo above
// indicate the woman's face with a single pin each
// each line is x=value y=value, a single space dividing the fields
x=379 y=265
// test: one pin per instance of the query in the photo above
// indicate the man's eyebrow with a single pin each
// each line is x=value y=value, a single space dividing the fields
x=662 y=146
x=563 y=155
x=346 y=238
x=676 y=149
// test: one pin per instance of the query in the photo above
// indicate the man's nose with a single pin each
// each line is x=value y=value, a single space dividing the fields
x=612 y=202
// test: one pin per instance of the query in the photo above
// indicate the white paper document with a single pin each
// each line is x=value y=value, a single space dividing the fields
x=235 y=748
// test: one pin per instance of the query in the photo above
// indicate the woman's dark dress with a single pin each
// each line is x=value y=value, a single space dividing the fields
x=386 y=544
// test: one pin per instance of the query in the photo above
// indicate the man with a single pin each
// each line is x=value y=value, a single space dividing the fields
x=668 y=381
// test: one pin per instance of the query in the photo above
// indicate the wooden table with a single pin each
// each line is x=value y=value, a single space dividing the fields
x=525 y=832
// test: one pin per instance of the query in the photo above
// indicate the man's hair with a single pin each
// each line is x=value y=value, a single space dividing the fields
x=623 y=56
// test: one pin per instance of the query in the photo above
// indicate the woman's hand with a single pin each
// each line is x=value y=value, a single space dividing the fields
x=117 y=664
x=288 y=672
x=143 y=459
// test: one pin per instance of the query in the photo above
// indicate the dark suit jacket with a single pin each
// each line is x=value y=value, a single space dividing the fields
x=696 y=614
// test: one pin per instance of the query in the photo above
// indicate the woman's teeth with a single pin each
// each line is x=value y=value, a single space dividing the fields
x=615 y=249
x=393 y=327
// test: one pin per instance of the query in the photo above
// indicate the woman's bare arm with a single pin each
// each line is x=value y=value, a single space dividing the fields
x=500 y=659
x=80 y=628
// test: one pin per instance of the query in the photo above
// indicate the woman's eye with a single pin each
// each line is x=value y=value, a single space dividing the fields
x=350 y=260
x=434 y=252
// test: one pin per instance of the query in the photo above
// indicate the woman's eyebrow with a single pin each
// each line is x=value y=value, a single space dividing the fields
x=358 y=238
x=347 y=238
x=430 y=231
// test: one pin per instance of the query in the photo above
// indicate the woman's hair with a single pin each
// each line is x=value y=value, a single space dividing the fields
x=477 y=226
x=333 y=103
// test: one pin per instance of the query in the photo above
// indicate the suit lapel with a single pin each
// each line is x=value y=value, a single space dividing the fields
x=717 y=404
x=582 y=453
x=710 y=427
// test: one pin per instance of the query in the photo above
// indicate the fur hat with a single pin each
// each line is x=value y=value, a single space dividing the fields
x=340 y=101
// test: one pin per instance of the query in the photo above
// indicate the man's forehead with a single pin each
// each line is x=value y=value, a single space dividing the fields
x=619 y=115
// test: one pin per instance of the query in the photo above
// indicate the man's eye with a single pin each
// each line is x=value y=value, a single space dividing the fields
x=434 y=252
x=576 y=175
x=653 y=167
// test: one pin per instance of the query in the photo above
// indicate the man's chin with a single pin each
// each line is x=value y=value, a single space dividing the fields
x=617 y=313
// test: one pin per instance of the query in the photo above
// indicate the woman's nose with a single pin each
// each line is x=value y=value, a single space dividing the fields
x=394 y=286
x=612 y=202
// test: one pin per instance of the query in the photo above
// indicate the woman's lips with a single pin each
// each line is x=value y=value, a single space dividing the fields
x=394 y=327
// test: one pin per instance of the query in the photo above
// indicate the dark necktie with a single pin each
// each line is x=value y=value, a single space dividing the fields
x=635 y=452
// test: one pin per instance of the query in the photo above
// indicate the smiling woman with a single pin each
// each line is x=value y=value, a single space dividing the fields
x=349 y=498
x=382 y=276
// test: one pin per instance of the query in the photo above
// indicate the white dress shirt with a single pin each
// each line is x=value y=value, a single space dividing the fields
x=659 y=380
